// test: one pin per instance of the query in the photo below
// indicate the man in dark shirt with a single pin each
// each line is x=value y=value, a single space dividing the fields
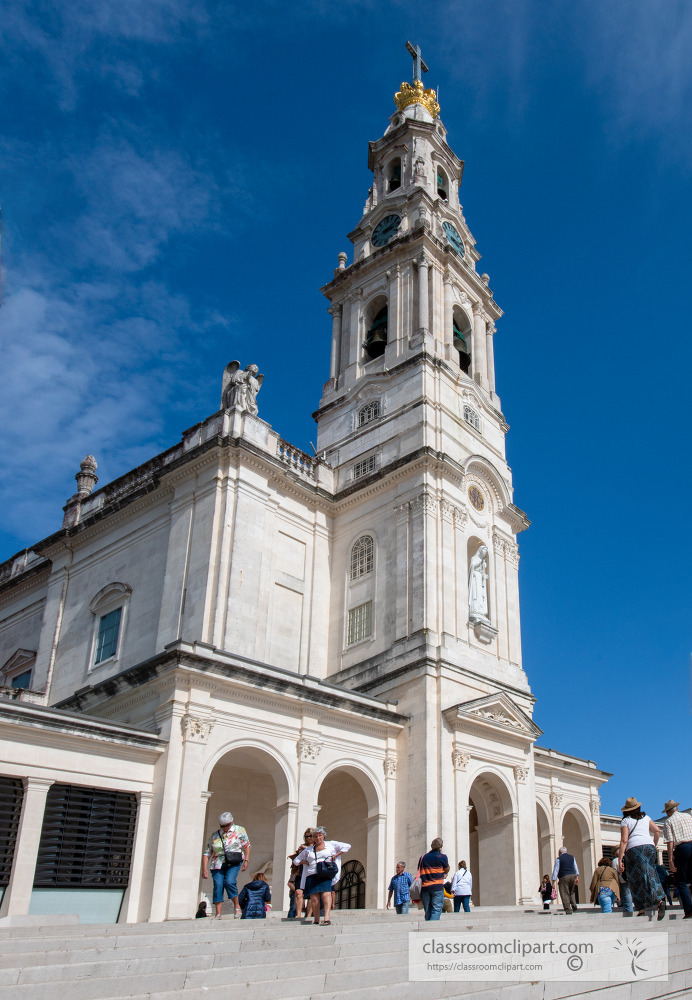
x=433 y=867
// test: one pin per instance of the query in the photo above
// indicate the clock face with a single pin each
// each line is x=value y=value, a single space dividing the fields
x=476 y=498
x=385 y=230
x=454 y=238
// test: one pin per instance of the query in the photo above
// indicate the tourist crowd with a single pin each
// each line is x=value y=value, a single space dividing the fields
x=632 y=878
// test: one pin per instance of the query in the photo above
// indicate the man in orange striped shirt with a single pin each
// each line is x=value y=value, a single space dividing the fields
x=433 y=867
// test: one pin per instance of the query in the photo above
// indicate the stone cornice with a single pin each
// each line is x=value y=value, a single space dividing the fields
x=22 y=714
x=216 y=663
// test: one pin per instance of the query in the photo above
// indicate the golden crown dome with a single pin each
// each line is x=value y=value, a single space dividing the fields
x=414 y=93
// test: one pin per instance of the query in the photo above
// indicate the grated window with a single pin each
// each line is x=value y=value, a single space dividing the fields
x=11 y=795
x=360 y=623
x=362 y=555
x=87 y=838
x=370 y=411
x=471 y=417
x=368 y=465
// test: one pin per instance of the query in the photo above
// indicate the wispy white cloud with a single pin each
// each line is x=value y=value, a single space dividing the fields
x=638 y=59
x=67 y=35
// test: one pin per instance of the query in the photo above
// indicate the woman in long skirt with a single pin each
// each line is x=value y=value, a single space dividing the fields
x=638 y=838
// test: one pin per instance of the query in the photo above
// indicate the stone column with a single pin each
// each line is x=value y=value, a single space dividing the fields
x=394 y=344
x=308 y=748
x=375 y=886
x=389 y=765
x=424 y=583
x=490 y=355
x=480 y=366
x=129 y=911
x=403 y=576
x=528 y=875
x=188 y=832
x=460 y=762
x=335 y=312
x=423 y=308
x=447 y=336
x=17 y=897
x=446 y=561
x=284 y=821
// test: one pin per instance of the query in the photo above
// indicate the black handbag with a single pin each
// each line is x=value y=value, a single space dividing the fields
x=325 y=869
x=231 y=858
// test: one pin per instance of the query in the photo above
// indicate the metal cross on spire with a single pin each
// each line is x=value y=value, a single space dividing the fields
x=419 y=66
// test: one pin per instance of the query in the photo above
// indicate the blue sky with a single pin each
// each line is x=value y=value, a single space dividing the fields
x=177 y=179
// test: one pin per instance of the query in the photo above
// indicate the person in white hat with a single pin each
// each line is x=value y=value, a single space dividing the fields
x=677 y=832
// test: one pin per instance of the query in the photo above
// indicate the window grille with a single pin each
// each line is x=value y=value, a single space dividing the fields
x=350 y=889
x=471 y=417
x=109 y=630
x=362 y=557
x=87 y=837
x=11 y=795
x=370 y=411
x=368 y=465
x=360 y=623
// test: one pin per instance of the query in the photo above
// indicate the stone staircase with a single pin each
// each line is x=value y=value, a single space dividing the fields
x=362 y=956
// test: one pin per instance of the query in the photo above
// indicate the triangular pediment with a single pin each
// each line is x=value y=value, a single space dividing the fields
x=20 y=658
x=495 y=711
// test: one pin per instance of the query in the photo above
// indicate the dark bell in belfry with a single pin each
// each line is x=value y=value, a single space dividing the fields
x=376 y=340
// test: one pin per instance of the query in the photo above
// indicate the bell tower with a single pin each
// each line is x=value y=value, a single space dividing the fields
x=411 y=421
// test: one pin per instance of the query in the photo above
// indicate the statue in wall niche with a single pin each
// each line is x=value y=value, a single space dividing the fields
x=478 y=584
x=240 y=389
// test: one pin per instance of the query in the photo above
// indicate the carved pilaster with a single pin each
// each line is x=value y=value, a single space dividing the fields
x=595 y=805
x=555 y=800
x=389 y=766
x=425 y=504
x=307 y=749
x=460 y=759
x=521 y=774
x=194 y=729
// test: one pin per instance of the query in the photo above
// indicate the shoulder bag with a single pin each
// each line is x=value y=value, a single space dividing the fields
x=231 y=858
x=325 y=869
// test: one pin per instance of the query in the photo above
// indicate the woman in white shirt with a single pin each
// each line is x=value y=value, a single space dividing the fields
x=318 y=886
x=462 y=885
x=638 y=838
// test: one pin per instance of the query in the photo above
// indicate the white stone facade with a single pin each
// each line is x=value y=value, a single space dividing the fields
x=298 y=632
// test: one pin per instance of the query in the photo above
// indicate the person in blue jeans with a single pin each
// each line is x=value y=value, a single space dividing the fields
x=433 y=867
x=462 y=885
x=225 y=856
x=605 y=886
x=399 y=887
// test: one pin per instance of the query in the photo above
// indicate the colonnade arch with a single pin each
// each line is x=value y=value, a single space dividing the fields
x=350 y=807
x=576 y=837
x=492 y=835
x=546 y=848
x=252 y=783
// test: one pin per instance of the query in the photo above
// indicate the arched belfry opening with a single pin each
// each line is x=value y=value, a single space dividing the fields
x=394 y=175
x=461 y=338
x=377 y=318
x=442 y=185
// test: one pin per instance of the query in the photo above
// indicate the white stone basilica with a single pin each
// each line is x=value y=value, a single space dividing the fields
x=238 y=625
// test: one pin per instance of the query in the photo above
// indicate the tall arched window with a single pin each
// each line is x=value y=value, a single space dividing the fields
x=376 y=337
x=461 y=338
x=394 y=175
x=362 y=557
x=442 y=184
x=109 y=609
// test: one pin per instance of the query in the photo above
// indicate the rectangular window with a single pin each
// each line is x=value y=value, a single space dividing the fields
x=87 y=837
x=109 y=630
x=22 y=680
x=361 y=469
x=360 y=622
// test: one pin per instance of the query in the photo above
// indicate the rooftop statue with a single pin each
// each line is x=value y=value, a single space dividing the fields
x=240 y=389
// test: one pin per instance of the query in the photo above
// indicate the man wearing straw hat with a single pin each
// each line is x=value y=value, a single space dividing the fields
x=677 y=832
